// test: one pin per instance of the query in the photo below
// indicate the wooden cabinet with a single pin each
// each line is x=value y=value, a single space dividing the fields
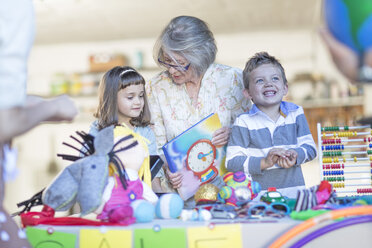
x=341 y=112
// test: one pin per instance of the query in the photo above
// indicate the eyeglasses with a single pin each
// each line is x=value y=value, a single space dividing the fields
x=275 y=209
x=177 y=67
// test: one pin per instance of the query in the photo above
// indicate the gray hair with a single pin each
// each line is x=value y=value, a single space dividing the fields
x=189 y=37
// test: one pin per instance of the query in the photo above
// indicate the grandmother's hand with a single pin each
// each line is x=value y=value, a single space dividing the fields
x=221 y=136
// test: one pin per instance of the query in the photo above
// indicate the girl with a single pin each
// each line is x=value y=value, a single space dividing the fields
x=123 y=101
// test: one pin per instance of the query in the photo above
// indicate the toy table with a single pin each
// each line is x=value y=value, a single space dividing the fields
x=177 y=233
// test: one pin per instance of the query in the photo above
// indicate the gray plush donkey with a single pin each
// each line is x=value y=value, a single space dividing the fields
x=84 y=181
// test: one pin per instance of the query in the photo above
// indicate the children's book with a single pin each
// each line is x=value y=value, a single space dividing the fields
x=193 y=154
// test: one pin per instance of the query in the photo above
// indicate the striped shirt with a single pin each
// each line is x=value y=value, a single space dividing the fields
x=254 y=134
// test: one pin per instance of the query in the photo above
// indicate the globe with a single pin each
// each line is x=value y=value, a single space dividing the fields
x=350 y=21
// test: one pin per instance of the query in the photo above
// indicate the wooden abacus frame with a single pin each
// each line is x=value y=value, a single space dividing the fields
x=336 y=164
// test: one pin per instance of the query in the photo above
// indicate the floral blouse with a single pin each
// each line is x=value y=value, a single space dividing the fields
x=172 y=111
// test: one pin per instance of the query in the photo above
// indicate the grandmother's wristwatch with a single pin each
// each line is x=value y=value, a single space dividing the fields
x=365 y=74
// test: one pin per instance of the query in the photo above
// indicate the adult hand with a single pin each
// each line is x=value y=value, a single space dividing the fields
x=221 y=136
x=174 y=178
x=345 y=59
x=65 y=109
x=17 y=120
x=60 y=108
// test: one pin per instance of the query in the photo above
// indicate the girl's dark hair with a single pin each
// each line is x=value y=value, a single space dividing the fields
x=112 y=81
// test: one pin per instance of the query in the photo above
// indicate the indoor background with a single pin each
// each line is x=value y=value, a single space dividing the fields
x=77 y=40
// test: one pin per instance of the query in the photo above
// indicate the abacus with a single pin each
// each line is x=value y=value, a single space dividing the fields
x=345 y=158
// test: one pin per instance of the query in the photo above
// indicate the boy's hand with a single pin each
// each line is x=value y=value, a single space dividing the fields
x=289 y=160
x=272 y=157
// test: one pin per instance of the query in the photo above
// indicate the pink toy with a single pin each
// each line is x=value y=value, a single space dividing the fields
x=324 y=192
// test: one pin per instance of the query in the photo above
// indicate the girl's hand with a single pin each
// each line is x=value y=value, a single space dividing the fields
x=221 y=136
x=174 y=178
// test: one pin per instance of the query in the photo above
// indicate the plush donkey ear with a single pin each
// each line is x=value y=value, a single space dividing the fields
x=104 y=140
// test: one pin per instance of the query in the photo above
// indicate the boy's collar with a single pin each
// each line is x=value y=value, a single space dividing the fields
x=285 y=108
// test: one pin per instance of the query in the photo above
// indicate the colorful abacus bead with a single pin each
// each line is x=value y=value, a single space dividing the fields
x=364 y=190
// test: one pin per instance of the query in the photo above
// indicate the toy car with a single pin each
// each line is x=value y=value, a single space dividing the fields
x=222 y=211
x=272 y=196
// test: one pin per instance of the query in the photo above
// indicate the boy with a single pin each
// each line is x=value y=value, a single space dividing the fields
x=272 y=139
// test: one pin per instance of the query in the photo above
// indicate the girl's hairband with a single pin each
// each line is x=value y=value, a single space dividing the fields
x=123 y=72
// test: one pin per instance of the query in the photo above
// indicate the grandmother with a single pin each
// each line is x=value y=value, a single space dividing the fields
x=192 y=85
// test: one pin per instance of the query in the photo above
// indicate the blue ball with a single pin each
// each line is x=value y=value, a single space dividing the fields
x=143 y=211
x=169 y=206
x=256 y=187
x=350 y=21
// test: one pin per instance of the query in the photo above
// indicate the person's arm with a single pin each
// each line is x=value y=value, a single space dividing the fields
x=345 y=59
x=288 y=160
x=272 y=157
x=17 y=120
x=236 y=157
x=306 y=149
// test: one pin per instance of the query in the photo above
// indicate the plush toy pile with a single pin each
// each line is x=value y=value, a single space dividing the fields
x=111 y=179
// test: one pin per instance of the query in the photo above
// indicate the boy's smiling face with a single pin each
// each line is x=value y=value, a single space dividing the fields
x=266 y=86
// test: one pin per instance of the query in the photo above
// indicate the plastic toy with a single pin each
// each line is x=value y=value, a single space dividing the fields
x=222 y=211
x=196 y=215
x=331 y=227
x=345 y=151
x=189 y=214
x=272 y=196
x=275 y=209
x=324 y=192
x=238 y=190
x=331 y=215
x=307 y=214
x=320 y=197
